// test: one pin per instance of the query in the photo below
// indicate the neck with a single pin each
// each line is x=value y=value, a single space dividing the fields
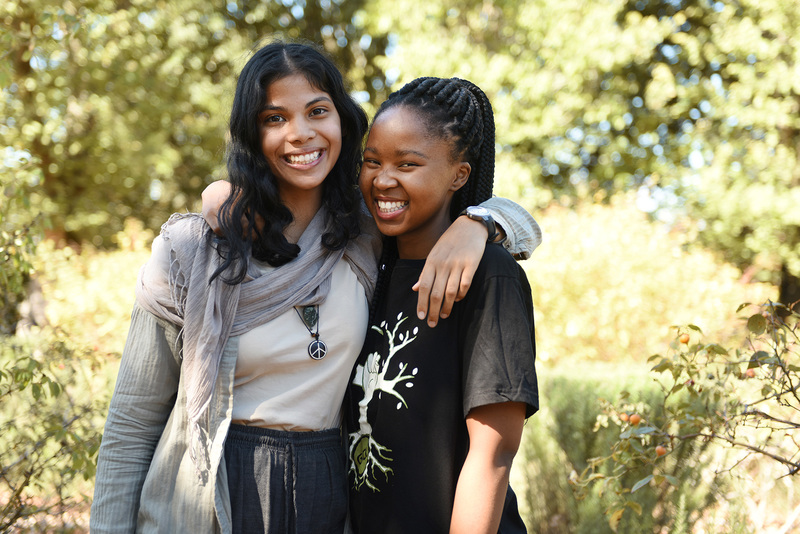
x=417 y=245
x=302 y=213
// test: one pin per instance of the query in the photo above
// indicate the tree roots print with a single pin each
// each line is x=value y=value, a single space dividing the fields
x=367 y=456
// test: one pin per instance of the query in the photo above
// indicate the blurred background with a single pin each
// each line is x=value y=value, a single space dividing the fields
x=655 y=141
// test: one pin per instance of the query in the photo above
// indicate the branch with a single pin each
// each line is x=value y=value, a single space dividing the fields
x=794 y=465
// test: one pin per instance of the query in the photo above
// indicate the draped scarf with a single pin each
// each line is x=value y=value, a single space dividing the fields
x=179 y=291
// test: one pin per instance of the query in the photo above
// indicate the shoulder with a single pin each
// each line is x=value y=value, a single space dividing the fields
x=188 y=228
x=180 y=237
x=498 y=271
x=498 y=262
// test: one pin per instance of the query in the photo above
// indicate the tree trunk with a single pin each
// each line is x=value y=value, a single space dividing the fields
x=789 y=290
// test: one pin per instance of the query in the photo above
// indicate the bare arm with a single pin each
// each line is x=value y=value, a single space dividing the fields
x=494 y=431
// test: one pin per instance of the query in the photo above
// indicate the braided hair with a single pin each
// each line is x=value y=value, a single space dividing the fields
x=459 y=111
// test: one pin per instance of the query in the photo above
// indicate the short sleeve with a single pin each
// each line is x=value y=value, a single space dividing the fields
x=498 y=336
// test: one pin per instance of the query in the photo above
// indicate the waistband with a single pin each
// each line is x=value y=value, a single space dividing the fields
x=280 y=439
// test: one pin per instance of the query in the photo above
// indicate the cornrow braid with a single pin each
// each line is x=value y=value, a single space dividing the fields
x=459 y=111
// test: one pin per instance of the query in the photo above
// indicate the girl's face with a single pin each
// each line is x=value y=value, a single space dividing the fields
x=301 y=137
x=408 y=179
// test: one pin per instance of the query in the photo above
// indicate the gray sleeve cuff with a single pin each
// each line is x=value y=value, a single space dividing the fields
x=523 y=234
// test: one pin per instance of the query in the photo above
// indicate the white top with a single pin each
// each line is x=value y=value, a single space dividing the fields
x=278 y=385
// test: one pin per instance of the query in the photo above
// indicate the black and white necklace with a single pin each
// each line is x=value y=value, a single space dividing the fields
x=317 y=349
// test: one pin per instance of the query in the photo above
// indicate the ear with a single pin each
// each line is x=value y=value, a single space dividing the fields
x=462 y=174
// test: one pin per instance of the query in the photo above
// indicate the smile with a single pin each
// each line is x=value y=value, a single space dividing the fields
x=303 y=159
x=390 y=207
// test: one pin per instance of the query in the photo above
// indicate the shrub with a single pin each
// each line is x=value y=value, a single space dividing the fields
x=743 y=399
x=606 y=282
x=19 y=231
x=51 y=395
x=570 y=430
x=90 y=292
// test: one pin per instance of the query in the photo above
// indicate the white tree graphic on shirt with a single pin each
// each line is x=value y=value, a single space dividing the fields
x=368 y=457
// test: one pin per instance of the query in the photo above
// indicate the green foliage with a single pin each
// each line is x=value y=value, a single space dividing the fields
x=692 y=104
x=605 y=278
x=90 y=292
x=55 y=383
x=122 y=107
x=571 y=428
x=50 y=405
x=745 y=399
x=19 y=230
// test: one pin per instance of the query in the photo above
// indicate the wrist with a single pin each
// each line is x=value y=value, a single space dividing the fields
x=482 y=215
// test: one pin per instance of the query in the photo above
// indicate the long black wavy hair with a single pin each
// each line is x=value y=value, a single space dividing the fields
x=254 y=185
x=458 y=111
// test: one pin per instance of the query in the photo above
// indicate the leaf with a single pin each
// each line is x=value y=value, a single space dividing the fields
x=641 y=483
x=635 y=506
x=672 y=480
x=716 y=349
x=758 y=359
x=742 y=306
x=662 y=366
x=694 y=327
x=642 y=430
x=757 y=324
x=615 y=518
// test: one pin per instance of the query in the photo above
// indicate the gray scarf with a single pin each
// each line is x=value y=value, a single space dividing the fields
x=209 y=313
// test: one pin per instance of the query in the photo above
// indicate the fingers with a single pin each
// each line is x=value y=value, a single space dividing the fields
x=438 y=293
x=423 y=289
x=451 y=294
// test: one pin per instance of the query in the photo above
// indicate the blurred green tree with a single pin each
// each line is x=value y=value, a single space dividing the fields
x=121 y=107
x=691 y=103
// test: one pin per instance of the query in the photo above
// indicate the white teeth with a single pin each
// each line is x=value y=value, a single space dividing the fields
x=389 y=207
x=303 y=159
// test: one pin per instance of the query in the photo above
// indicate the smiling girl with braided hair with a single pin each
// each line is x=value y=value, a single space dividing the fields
x=435 y=416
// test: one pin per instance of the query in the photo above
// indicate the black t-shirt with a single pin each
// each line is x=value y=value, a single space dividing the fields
x=413 y=387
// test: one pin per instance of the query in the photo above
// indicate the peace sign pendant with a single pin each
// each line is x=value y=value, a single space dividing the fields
x=317 y=349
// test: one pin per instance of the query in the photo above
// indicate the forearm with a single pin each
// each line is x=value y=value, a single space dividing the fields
x=480 y=494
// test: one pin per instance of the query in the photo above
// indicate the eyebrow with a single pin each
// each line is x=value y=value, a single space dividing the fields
x=400 y=153
x=310 y=103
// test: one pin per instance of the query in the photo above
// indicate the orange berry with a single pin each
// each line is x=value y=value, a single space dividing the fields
x=623 y=416
x=750 y=373
x=660 y=450
x=684 y=338
x=635 y=419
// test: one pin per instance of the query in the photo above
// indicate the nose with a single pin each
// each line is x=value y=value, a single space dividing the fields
x=300 y=131
x=383 y=179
